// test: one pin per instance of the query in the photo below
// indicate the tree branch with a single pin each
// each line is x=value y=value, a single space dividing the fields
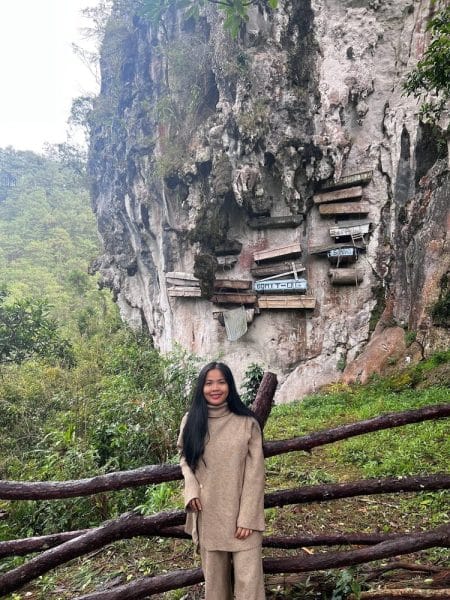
x=22 y=547
x=37 y=490
x=298 y=564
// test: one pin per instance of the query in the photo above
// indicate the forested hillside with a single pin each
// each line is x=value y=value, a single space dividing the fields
x=48 y=236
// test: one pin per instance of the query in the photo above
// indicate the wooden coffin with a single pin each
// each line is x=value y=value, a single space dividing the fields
x=344 y=208
x=286 y=302
x=179 y=278
x=348 y=180
x=288 y=250
x=350 y=228
x=325 y=248
x=344 y=194
x=275 y=222
x=228 y=247
x=226 y=262
x=184 y=292
x=232 y=284
x=281 y=285
x=234 y=298
x=342 y=255
x=277 y=268
x=346 y=276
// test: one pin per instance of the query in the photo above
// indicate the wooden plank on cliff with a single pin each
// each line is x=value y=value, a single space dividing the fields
x=344 y=208
x=276 y=268
x=323 y=249
x=232 y=284
x=281 y=285
x=350 y=229
x=345 y=276
x=180 y=278
x=184 y=292
x=343 y=194
x=348 y=180
x=234 y=298
x=288 y=250
x=286 y=302
x=275 y=222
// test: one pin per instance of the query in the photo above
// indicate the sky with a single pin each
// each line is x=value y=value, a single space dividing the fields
x=40 y=74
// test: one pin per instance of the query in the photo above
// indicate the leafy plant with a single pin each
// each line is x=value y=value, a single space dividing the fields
x=26 y=329
x=430 y=80
x=252 y=379
x=345 y=585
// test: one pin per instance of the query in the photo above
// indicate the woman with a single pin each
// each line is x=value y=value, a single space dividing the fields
x=223 y=467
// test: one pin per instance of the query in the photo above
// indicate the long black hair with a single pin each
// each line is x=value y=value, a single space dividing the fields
x=196 y=428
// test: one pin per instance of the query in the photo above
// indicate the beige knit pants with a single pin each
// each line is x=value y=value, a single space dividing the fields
x=248 y=574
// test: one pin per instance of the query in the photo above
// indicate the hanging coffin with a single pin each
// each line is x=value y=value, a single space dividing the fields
x=339 y=255
x=349 y=180
x=350 y=229
x=345 y=194
x=276 y=268
x=345 y=276
x=286 y=302
x=232 y=284
x=288 y=250
x=325 y=248
x=281 y=285
x=275 y=222
x=344 y=208
x=184 y=292
x=179 y=278
x=234 y=298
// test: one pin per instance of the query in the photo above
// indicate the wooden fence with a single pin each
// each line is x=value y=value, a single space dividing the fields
x=57 y=549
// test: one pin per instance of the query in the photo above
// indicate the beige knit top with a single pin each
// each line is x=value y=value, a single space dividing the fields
x=229 y=482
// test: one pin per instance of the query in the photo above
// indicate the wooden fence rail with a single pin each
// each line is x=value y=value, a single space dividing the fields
x=63 y=547
x=152 y=474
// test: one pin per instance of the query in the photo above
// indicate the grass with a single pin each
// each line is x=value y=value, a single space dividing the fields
x=413 y=449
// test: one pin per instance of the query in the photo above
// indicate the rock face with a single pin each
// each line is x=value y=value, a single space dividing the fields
x=194 y=136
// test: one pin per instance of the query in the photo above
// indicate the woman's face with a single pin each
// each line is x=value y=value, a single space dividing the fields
x=215 y=389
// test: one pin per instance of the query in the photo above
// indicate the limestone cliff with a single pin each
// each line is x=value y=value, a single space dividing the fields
x=195 y=136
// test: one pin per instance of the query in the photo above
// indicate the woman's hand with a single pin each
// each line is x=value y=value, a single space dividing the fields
x=195 y=505
x=242 y=533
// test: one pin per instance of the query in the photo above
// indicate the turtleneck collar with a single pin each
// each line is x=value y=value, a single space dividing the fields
x=221 y=410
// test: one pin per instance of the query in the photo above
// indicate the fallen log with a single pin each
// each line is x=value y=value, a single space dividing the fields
x=405 y=593
x=132 y=525
x=110 y=531
x=401 y=565
x=153 y=474
x=298 y=564
x=362 y=487
x=24 y=546
x=343 y=432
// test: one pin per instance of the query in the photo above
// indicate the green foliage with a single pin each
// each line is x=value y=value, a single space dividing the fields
x=252 y=379
x=345 y=584
x=440 y=311
x=235 y=11
x=26 y=330
x=410 y=337
x=431 y=77
x=48 y=238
